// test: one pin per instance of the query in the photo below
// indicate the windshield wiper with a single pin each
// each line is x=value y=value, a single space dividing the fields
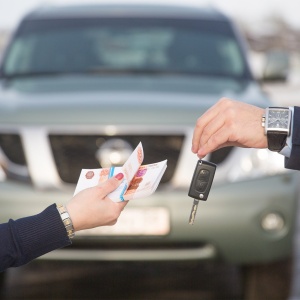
x=90 y=71
x=126 y=71
x=30 y=74
x=161 y=72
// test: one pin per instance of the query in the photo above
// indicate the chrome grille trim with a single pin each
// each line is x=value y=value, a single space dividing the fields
x=39 y=157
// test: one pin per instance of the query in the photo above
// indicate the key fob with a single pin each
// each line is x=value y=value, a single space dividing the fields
x=202 y=180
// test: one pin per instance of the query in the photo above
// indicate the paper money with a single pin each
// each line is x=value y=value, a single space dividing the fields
x=139 y=180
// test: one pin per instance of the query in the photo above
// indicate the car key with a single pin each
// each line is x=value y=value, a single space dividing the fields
x=200 y=185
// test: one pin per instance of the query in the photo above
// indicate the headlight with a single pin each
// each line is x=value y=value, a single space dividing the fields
x=254 y=163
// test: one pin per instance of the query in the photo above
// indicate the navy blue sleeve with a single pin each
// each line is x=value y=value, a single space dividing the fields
x=293 y=162
x=27 y=238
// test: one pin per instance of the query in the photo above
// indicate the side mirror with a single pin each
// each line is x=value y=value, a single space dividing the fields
x=277 y=66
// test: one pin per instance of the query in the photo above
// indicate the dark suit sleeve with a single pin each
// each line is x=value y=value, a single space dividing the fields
x=28 y=238
x=293 y=162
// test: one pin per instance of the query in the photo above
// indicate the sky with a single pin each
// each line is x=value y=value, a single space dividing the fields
x=249 y=11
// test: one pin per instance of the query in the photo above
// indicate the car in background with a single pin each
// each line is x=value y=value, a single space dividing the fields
x=81 y=84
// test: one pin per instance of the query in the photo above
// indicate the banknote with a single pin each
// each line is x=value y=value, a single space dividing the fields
x=139 y=180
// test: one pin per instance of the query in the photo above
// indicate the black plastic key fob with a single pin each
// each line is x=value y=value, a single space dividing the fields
x=202 y=180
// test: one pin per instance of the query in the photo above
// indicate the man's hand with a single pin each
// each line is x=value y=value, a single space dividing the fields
x=229 y=123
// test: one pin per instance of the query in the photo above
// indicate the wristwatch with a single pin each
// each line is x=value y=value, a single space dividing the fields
x=277 y=122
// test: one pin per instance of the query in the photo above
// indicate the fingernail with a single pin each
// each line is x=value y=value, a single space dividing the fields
x=199 y=154
x=119 y=176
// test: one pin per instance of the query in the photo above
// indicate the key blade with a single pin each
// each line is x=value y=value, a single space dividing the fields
x=193 y=211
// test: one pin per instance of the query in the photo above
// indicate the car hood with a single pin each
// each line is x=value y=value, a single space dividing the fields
x=118 y=100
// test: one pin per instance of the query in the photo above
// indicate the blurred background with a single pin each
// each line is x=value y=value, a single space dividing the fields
x=272 y=28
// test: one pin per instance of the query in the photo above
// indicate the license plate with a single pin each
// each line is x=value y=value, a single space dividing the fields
x=153 y=221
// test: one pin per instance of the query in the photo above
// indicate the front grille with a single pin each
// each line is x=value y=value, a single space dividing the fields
x=11 y=145
x=75 y=152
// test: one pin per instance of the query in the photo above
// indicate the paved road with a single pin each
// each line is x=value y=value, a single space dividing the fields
x=124 y=281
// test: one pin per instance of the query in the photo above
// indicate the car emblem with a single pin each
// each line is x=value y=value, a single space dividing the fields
x=113 y=152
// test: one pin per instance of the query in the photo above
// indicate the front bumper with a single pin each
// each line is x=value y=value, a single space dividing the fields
x=227 y=226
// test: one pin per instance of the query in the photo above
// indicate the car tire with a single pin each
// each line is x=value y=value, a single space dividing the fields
x=268 y=281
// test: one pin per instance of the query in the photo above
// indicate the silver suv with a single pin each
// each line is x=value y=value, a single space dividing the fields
x=77 y=81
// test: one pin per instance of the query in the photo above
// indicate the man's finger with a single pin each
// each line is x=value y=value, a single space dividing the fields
x=202 y=122
x=216 y=141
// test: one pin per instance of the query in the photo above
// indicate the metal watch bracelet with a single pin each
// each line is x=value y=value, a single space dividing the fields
x=66 y=220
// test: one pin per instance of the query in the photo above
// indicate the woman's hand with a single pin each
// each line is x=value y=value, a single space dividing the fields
x=92 y=208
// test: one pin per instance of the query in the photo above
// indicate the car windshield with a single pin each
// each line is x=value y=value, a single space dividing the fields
x=124 y=45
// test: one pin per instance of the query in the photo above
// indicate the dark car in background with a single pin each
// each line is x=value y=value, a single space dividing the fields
x=78 y=80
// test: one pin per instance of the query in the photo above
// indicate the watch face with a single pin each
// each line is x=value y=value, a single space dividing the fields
x=278 y=119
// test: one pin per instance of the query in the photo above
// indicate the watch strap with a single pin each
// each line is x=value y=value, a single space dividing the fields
x=276 y=140
x=65 y=217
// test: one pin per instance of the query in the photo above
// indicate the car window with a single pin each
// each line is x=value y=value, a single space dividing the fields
x=145 y=45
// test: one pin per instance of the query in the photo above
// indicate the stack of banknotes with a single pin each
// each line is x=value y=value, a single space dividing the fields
x=139 y=180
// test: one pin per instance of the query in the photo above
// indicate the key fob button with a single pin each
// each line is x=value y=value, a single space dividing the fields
x=204 y=174
x=201 y=185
